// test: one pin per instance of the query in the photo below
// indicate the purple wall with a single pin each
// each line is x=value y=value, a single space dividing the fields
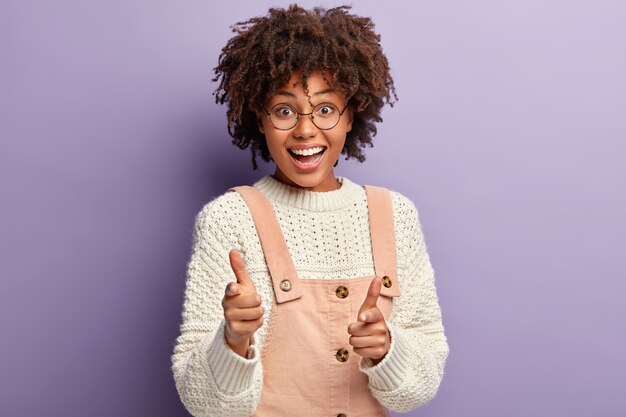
x=509 y=136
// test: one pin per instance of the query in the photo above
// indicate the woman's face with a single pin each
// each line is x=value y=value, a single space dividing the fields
x=314 y=172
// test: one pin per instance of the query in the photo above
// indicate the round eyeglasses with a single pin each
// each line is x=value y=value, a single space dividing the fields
x=324 y=116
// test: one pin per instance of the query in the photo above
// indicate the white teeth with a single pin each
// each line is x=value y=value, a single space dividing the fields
x=305 y=152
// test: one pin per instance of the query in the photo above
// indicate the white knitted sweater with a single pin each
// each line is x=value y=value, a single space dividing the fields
x=328 y=236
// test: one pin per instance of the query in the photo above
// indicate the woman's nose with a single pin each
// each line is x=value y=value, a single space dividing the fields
x=304 y=127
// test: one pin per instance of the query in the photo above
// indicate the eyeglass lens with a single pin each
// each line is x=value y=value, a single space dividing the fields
x=324 y=116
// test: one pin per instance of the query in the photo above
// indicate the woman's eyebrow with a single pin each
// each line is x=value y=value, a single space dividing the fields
x=326 y=91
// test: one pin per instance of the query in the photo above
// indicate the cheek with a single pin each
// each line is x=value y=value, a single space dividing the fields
x=338 y=141
x=275 y=142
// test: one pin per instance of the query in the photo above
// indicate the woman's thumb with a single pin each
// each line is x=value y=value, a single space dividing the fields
x=373 y=292
x=239 y=268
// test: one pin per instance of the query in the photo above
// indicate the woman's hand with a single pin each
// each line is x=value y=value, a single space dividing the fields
x=243 y=312
x=369 y=335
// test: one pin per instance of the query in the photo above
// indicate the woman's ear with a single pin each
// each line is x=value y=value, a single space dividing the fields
x=350 y=118
x=259 y=123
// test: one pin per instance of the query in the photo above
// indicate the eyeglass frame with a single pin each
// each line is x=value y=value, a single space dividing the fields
x=298 y=114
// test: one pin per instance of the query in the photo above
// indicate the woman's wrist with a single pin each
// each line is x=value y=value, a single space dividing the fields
x=240 y=347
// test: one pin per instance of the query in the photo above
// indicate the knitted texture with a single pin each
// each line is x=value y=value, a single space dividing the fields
x=328 y=237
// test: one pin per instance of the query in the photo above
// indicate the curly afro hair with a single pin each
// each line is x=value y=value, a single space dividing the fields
x=266 y=50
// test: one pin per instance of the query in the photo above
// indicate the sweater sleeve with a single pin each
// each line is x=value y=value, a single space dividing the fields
x=210 y=378
x=411 y=372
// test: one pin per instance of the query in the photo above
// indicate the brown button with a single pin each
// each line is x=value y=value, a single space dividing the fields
x=342 y=292
x=342 y=355
x=386 y=281
x=285 y=285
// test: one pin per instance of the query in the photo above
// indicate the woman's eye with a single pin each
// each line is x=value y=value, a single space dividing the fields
x=325 y=110
x=284 y=112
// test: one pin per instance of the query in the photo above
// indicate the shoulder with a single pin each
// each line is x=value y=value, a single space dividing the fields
x=407 y=225
x=399 y=200
x=221 y=214
x=404 y=210
x=403 y=207
x=221 y=206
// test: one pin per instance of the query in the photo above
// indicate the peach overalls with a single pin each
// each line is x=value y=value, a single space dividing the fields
x=309 y=368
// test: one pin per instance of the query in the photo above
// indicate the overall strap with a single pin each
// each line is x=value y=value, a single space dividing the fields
x=383 y=237
x=277 y=257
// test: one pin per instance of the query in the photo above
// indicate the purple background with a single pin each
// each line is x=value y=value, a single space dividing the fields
x=509 y=136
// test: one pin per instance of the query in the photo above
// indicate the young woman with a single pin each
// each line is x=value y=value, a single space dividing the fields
x=307 y=294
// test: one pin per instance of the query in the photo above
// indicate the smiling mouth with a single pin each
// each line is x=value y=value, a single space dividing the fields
x=307 y=158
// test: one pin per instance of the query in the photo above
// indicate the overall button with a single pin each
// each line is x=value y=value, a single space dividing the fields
x=342 y=292
x=386 y=281
x=285 y=285
x=342 y=355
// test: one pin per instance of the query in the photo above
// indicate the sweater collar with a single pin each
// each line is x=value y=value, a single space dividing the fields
x=282 y=193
